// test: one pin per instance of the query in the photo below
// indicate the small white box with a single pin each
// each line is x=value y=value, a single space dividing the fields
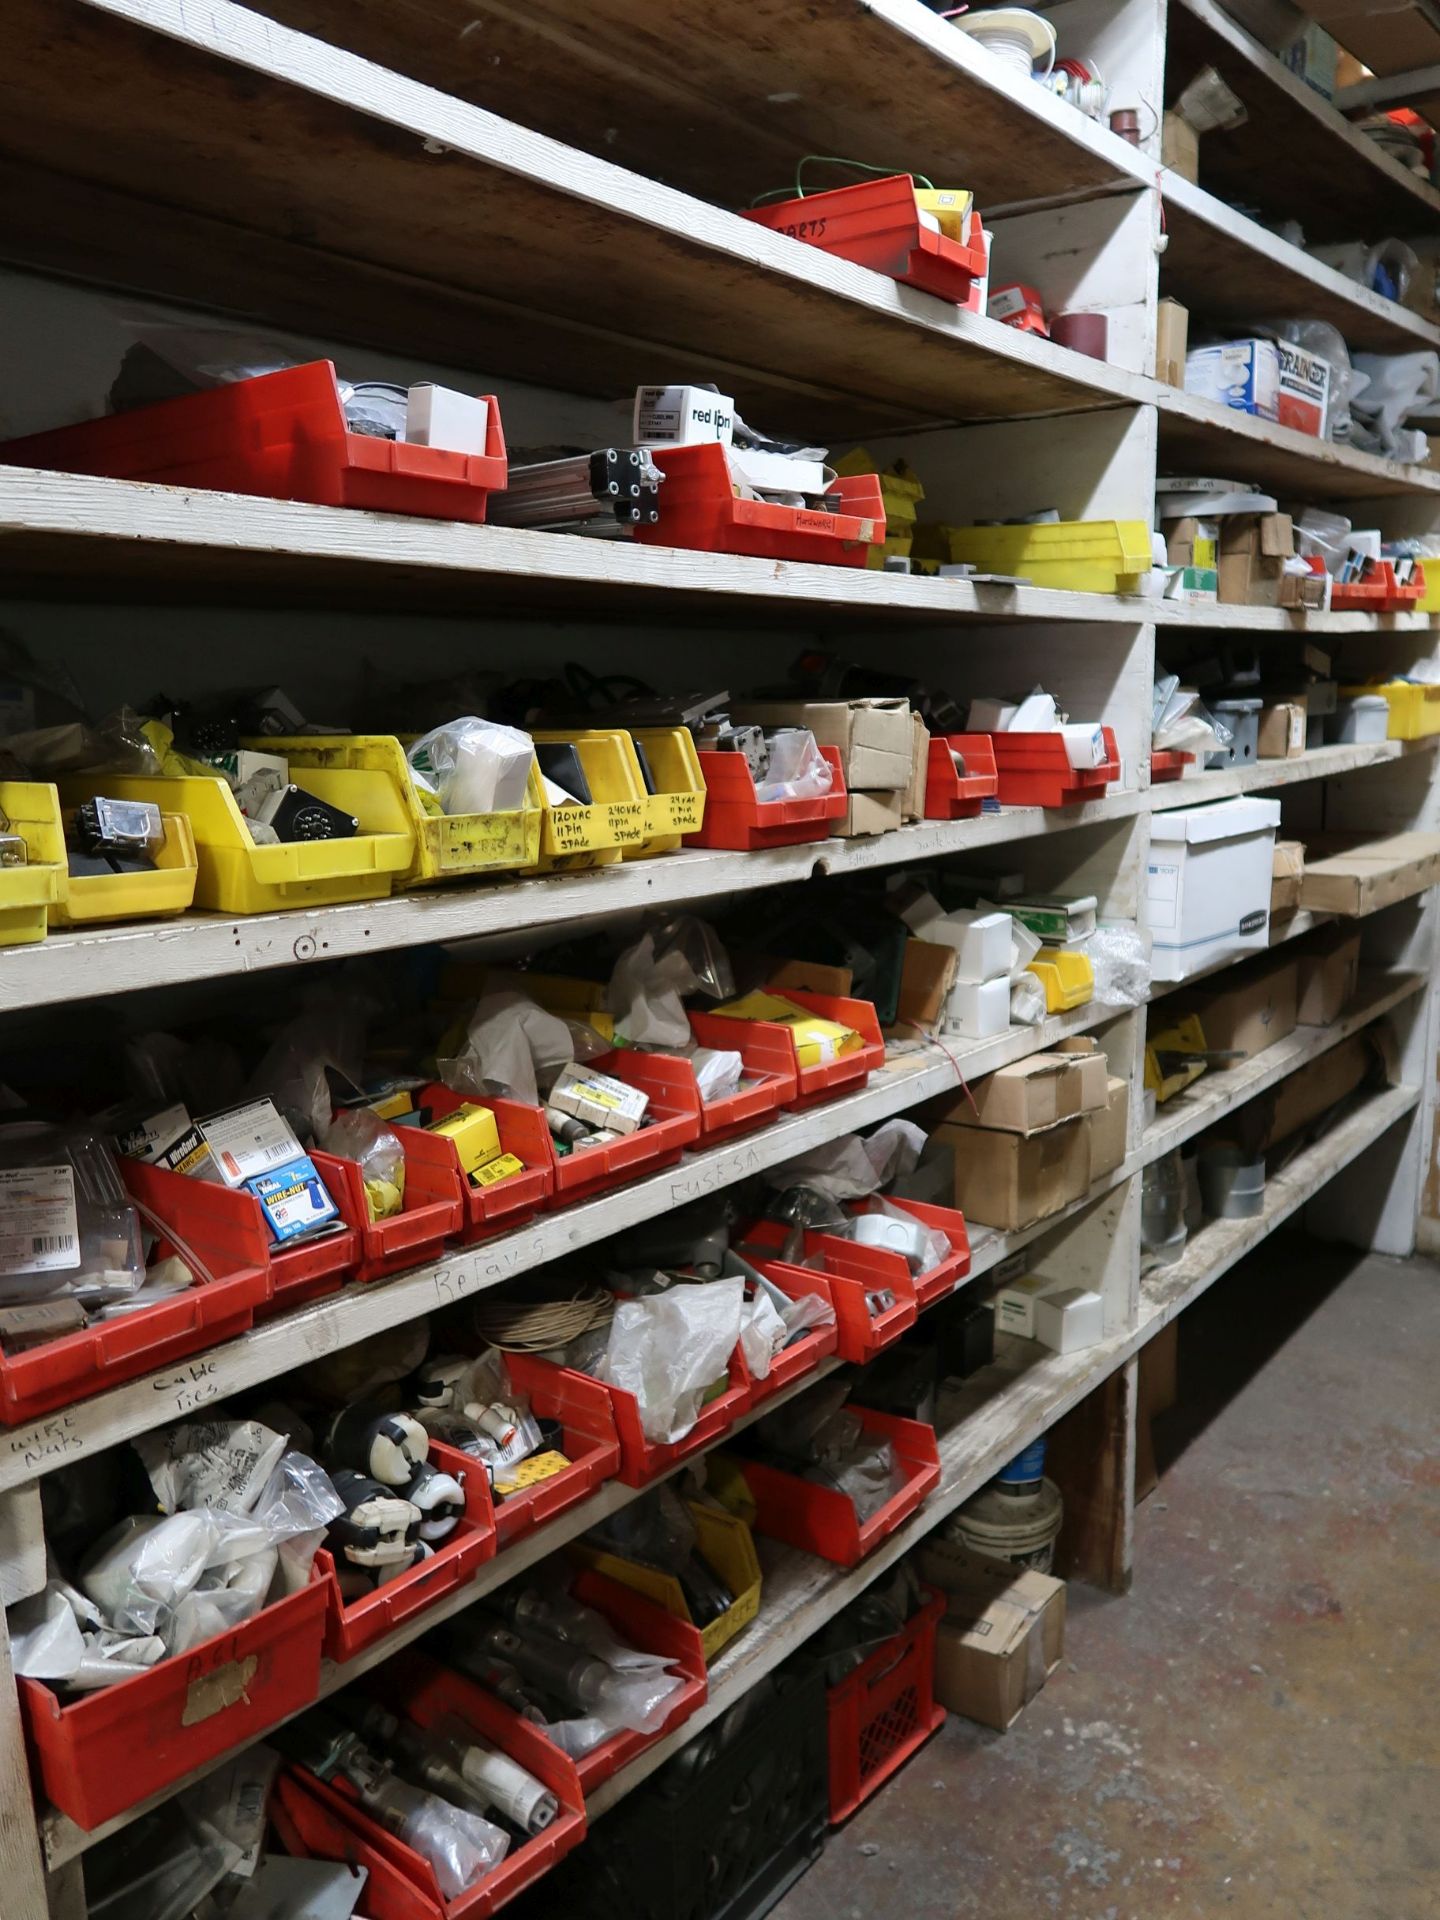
x=599 y=1100
x=1084 y=743
x=990 y=716
x=1015 y=1305
x=440 y=417
x=978 y=1009
x=1069 y=1320
x=776 y=472
x=682 y=416
x=1207 y=885
x=981 y=942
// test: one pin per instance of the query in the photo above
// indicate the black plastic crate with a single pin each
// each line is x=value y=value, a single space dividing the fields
x=718 y=1833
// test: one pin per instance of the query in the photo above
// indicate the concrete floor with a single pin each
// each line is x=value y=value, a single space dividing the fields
x=1255 y=1730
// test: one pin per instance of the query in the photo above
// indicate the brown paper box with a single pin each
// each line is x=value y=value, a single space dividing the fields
x=876 y=738
x=1010 y=1180
x=1282 y=731
x=1303 y=1096
x=1180 y=150
x=914 y=806
x=927 y=973
x=1289 y=865
x=1328 y=971
x=1035 y=1093
x=1108 y=1129
x=1255 y=1013
x=810 y=976
x=1172 y=340
x=1361 y=876
x=869 y=813
x=1002 y=1635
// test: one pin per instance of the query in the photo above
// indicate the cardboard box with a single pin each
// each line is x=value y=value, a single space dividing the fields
x=810 y=976
x=1014 y=1304
x=1192 y=542
x=1328 y=972
x=1285 y=872
x=869 y=813
x=1172 y=340
x=1109 y=1129
x=1305 y=1095
x=1282 y=730
x=1010 y=1180
x=1180 y=152
x=914 y=803
x=1360 y=876
x=1253 y=550
x=1002 y=1635
x=876 y=738
x=1257 y=1012
x=1243 y=375
x=1036 y=1093
x=1068 y=1319
x=977 y=1009
x=1305 y=386
x=927 y=973
x=1207 y=883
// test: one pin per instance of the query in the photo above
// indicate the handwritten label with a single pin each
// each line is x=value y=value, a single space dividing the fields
x=572 y=830
x=192 y=1386
x=814 y=522
x=46 y=1440
x=811 y=230
x=702 y=1179
x=516 y=1255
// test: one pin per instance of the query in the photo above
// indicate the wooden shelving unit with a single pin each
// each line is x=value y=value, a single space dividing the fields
x=541 y=201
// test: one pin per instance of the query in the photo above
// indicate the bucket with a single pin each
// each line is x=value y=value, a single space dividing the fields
x=1021 y=1531
x=1162 y=1209
x=1232 y=1182
x=1025 y=1475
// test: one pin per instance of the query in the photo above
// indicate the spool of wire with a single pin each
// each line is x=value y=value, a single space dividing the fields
x=537 y=1323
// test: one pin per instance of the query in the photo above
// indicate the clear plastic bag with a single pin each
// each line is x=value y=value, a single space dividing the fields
x=1027 y=1001
x=360 y=1135
x=460 y=1846
x=671 y=1348
x=511 y=1047
x=1121 y=960
x=1325 y=536
x=473 y=766
x=717 y=1073
x=798 y=770
x=210 y=1463
x=852 y=1166
x=651 y=978
x=67 y=1227
x=1397 y=386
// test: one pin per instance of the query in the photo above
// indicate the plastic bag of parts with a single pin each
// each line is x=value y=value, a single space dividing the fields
x=1180 y=721
x=560 y=1662
x=798 y=770
x=652 y=977
x=461 y=1846
x=924 y=1248
x=360 y=1135
x=512 y=1047
x=1328 y=343
x=473 y=766
x=771 y=1320
x=1323 y=536
x=473 y=1405
x=158 y=1869
x=115 y=744
x=67 y=1227
x=827 y=1444
x=1396 y=385
x=1027 y=1001
x=868 y=1622
x=327 y=1036
x=659 y=1532
x=669 y=1350
x=1121 y=960
x=852 y=1166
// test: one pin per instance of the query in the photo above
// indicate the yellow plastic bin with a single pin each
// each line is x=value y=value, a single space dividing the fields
x=1067 y=977
x=27 y=893
x=1086 y=556
x=1414 y=707
x=725 y=1543
x=447 y=846
x=236 y=876
x=677 y=806
x=615 y=822
x=169 y=888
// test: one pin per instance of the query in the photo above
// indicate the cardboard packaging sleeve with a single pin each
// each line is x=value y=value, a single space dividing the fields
x=1172 y=339
x=1282 y=730
x=914 y=802
x=1036 y=1093
x=1002 y=1636
x=1109 y=1128
x=1360 y=876
x=1285 y=873
x=1254 y=1013
x=927 y=973
x=876 y=738
x=1010 y=1180
x=1328 y=972
x=867 y=813
x=1180 y=152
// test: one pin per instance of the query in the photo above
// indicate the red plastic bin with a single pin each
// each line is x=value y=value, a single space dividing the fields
x=588 y=1440
x=884 y=1711
x=638 y=1622
x=941 y=1280
x=523 y=1132
x=805 y=1354
x=103 y=1752
x=735 y=818
x=847 y=1273
x=299 y=1273
x=281 y=436
x=699 y=509
x=432 y=1213
x=877 y=224
x=1034 y=771
x=352 y=1626
x=1379 y=591
x=329 y=1824
x=1168 y=763
x=823 y=1521
x=641 y=1460
x=768 y=1063
x=235 y=1247
x=830 y=1077
x=670 y=1083
x=954 y=796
